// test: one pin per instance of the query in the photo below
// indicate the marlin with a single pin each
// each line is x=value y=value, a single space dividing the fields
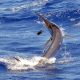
x=56 y=38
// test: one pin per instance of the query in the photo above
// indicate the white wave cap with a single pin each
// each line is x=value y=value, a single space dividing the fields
x=23 y=5
x=29 y=5
x=19 y=63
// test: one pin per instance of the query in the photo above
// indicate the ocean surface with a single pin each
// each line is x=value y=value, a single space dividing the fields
x=19 y=24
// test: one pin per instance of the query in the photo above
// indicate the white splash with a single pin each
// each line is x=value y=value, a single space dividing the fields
x=19 y=63
x=66 y=58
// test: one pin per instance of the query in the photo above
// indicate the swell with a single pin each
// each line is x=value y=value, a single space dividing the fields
x=63 y=16
x=16 y=6
x=14 y=19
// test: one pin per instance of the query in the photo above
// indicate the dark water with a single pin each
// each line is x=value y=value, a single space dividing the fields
x=19 y=25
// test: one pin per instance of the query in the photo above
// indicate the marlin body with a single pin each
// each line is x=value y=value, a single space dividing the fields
x=56 y=39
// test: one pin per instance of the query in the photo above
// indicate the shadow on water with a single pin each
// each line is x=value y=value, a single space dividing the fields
x=3 y=67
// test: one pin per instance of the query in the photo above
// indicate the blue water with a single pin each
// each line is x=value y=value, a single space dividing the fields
x=19 y=25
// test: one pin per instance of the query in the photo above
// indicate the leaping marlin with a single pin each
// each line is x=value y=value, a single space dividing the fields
x=56 y=38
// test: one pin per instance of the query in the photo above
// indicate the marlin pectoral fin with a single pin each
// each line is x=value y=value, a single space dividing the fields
x=48 y=42
x=56 y=36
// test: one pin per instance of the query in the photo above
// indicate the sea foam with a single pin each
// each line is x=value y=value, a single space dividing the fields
x=19 y=63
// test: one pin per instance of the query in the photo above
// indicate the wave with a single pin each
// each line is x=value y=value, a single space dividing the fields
x=63 y=16
x=77 y=24
x=22 y=63
x=6 y=19
x=16 y=6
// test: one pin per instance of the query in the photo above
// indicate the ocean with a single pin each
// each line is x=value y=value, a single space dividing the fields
x=19 y=24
